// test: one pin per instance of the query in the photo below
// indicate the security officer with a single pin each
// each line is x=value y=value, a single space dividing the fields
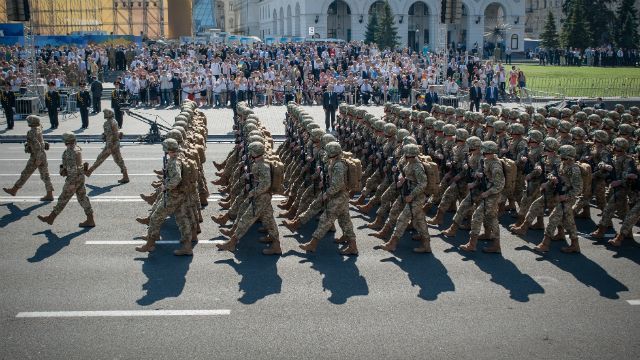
x=116 y=103
x=96 y=94
x=83 y=100
x=8 y=99
x=52 y=102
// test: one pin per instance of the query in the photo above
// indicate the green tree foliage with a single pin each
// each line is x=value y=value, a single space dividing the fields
x=372 y=26
x=626 y=33
x=576 y=32
x=387 y=33
x=549 y=36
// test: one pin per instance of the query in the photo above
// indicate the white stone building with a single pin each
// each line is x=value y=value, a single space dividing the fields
x=418 y=22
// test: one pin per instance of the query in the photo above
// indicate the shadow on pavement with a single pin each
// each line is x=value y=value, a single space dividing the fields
x=582 y=268
x=259 y=272
x=99 y=190
x=16 y=213
x=54 y=244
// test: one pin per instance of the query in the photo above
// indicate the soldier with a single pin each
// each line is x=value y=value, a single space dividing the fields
x=52 y=102
x=567 y=184
x=83 y=100
x=336 y=200
x=73 y=169
x=116 y=103
x=491 y=179
x=412 y=184
x=35 y=147
x=172 y=201
x=619 y=170
x=633 y=215
x=111 y=136
x=260 y=208
x=530 y=162
x=8 y=100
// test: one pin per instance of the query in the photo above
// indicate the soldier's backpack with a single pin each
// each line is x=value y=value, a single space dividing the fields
x=585 y=174
x=354 y=171
x=433 y=174
x=189 y=173
x=510 y=172
x=277 y=175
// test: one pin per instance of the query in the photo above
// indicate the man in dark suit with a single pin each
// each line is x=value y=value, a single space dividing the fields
x=83 y=99
x=431 y=98
x=475 y=95
x=117 y=96
x=96 y=94
x=52 y=102
x=329 y=104
x=491 y=94
x=420 y=105
x=8 y=104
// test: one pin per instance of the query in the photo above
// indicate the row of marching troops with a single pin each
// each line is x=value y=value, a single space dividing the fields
x=479 y=165
x=181 y=189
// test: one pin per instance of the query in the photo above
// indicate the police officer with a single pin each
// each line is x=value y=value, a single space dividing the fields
x=52 y=102
x=83 y=100
x=8 y=99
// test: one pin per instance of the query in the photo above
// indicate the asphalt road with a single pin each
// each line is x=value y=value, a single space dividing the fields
x=377 y=305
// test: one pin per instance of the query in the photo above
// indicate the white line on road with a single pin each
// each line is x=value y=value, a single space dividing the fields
x=140 y=242
x=122 y=313
x=118 y=174
x=104 y=198
x=125 y=159
x=633 y=302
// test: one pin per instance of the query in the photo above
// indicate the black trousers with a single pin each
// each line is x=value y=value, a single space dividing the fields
x=119 y=115
x=329 y=118
x=53 y=117
x=84 y=116
x=96 y=103
x=8 y=113
x=475 y=103
x=176 y=97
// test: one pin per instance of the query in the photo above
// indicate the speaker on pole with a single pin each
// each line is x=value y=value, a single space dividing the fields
x=18 y=10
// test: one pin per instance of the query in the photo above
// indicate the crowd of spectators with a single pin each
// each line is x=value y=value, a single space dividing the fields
x=606 y=56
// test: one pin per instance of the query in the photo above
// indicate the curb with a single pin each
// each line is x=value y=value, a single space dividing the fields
x=13 y=139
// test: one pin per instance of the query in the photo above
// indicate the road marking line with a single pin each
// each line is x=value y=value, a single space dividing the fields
x=140 y=242
x=633 y=302
x=125 y=159
x=103 y=198
x=122 y=313
x=118 y=174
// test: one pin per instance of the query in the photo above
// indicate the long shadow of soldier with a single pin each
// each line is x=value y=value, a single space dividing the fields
x=99 y=190
x=423 y=270
x=583 y=269
x=628 y=250
x=15 y=213
x=54 y=244
x=166 y=273
x=259 y=272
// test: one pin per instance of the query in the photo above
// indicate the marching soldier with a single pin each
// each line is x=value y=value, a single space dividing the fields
x=52 y=102
x=83 y=100
x=111 y=136
x=8 y=100
x=73 y=169
x=36 y=147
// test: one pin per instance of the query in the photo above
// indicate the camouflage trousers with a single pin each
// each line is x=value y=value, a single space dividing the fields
x=382 y=187
x=562 y=215
x=518 y=189
x=310 y=193
x=486 y=213
x=175 y=204
x=36 y=162
x=537 y=207
x=387 y=199
x=529 y=194
x=412 y=212
x=254 y=209
x=230 y=166
x=466 y=207
x=451 y=195
x=372 y=183
x=203 y=189
x=600 y=193
x=630 y=220
x=337 y=209
x=617 y=201
x=73 y=185
x=110 y=150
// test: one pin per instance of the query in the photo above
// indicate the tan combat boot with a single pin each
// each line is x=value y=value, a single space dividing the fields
x=437 y=220
x=149 y=199
x=158 y=172
x=274 y=249
x=544 y=245
x=143 y=220
x=560 y=235
x=11 y=191
x=518 y=222
x=229 y=245
x=125 y=177
x=49 y=218
x=451 y=231
x=47 y=197
x=220 y=181
x=285 y=205
x=218 y=166
x=521 y=230
x=539 y=224
x=149 y=246
x=88 y=170
x=390 y=245
x=599 y=232
x=292 y=225
x=88 y=222
x=573 y=248
x=377 y=223
x=310 y=246
x=224 y=205
x=359 y=201
x=227 y=232
x=220 y=220
x=365 y=209
x=351 y=249
x=384 y=232
x=186 y=249
x=471 y=245
x=493 y=249
x=341 y=240
x=425 y=248
x=617 y=240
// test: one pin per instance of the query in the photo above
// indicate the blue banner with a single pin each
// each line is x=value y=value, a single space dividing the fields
x=11 y=29
x=74 y=40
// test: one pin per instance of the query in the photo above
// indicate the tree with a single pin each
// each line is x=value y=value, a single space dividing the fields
x=575 y=30
x=626 y=34
x=598 y=15
x=387 y=33
x=549 y=36
x=372 y=26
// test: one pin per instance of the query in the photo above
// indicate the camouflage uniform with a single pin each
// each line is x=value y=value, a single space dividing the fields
x=111 y=137
x=35 y=146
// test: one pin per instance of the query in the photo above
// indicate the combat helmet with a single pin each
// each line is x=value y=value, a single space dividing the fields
x=567 y=152
x=489 y=147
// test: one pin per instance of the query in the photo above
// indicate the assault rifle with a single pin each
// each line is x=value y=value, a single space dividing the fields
x=165 y=179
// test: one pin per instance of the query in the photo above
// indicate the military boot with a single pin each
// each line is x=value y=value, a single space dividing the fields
x=521 y=230
x=585 y=213
x=359 y=201
x=49 y=218
x=617 y=241
x=518 y=222
x=310 y=246
x=292 y=225
x=273 y=249
x=495 y=248
x=365 y=209
x=88 y=170
x=451 y=231
x=125 y=177
x=599 y=232
x=511 y=206
x=544 y=245
x=224 y=205
x=218 y=166
x=384 y=232
x=229 y=245
x=291 y=214
x=425 y=248
x=220 y=181
x=351 y=249
x=143 y=220
x=149 y=199
x=560 y=235
x=227 y=232
x=539 y=224
x=471 y=245
x=158 y=172
x=220 y=220
x=484 y=236
x=47 y=197
x=390 y=245
x=437 y=220
x=287 y=204
x=88 y=222
x=149 y=246
x=11 y=191
x=377 y=223
x=573 y=248
x=186 y=249
x=204 y=200
x=341 y=240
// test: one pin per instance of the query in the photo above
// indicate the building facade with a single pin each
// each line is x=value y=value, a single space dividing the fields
x=419 y=22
